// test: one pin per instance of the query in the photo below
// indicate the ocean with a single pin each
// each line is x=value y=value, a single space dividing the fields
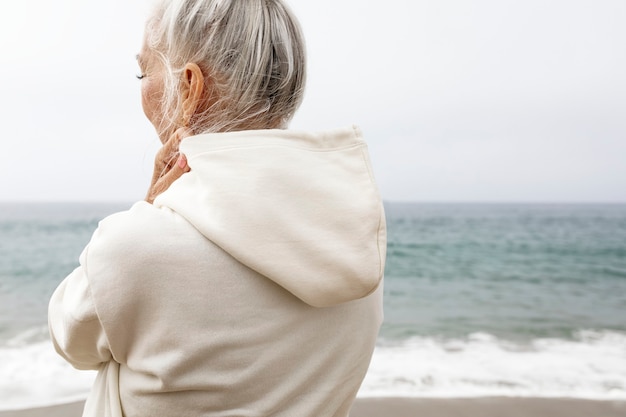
x=480 y=300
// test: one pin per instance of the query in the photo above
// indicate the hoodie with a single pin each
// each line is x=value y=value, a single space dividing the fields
x=251 y=287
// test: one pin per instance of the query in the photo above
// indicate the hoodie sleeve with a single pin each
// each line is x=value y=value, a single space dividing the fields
x=75 y=328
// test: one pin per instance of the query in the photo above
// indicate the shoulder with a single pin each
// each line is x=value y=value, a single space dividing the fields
x=140 y=221
x=130 y=237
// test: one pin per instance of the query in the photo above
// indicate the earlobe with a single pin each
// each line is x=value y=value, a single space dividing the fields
x=192 y=91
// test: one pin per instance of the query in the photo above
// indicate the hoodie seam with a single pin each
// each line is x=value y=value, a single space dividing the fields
x=301 y=148
x=381 y=267
x=380 y=221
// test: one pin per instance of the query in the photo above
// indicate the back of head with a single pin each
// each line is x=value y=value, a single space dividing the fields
x=251 y=53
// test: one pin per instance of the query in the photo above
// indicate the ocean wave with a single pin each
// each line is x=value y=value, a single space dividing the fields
x=35 y=375
x=592 y=365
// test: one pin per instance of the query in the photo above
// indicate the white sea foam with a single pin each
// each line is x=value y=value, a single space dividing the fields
x=593 y=365
x=34 y=375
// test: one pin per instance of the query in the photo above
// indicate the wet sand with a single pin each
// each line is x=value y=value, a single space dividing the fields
x=486 y=407
x=409 y=407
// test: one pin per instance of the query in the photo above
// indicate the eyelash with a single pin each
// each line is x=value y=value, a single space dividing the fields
x=140 y=76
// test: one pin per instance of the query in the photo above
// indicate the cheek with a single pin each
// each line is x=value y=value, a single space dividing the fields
x=151 y=95
x=146 y=100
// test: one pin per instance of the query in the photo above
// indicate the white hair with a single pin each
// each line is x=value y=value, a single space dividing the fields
x=252 y=55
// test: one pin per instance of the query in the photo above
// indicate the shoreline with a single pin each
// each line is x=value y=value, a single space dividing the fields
x=431 y=407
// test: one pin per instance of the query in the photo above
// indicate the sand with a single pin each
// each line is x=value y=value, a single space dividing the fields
x=67 y=410
x=487 y=407
x=409 y=407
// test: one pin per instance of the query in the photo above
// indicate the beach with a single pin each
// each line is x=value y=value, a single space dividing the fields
x=408 y=407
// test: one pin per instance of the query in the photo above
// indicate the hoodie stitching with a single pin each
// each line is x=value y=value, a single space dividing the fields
x=301 y=148
x=380 y=220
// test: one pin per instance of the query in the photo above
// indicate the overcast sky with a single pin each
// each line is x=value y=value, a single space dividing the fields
x=459 y=100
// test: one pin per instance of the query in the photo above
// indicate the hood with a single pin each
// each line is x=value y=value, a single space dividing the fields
x=300 y=208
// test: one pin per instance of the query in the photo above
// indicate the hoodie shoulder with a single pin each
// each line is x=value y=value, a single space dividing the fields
x=127 y=241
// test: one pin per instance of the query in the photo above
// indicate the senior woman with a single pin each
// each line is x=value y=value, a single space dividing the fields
x=249 y=281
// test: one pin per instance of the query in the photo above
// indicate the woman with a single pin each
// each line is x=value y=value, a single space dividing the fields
x=249 y=282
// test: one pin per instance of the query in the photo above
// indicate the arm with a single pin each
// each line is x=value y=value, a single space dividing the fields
x=75 y=328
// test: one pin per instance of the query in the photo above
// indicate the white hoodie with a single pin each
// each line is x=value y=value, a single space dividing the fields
x=251 y=287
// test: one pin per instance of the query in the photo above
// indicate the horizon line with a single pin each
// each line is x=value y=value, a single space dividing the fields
x=385 y=201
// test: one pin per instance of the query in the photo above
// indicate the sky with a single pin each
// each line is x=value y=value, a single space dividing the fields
x=459 y=100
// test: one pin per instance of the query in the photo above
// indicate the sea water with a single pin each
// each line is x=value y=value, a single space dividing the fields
x=480 y=300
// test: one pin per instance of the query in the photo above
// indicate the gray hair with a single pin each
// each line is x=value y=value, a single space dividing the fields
x=252 y=55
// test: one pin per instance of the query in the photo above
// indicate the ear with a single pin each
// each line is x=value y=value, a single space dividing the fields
x=192 y=89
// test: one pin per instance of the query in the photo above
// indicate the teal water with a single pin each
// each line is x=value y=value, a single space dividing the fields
x=517 y=271
x=39 y=245
x=513 y=271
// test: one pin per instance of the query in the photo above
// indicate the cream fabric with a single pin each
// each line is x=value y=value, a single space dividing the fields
x=252 y=287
